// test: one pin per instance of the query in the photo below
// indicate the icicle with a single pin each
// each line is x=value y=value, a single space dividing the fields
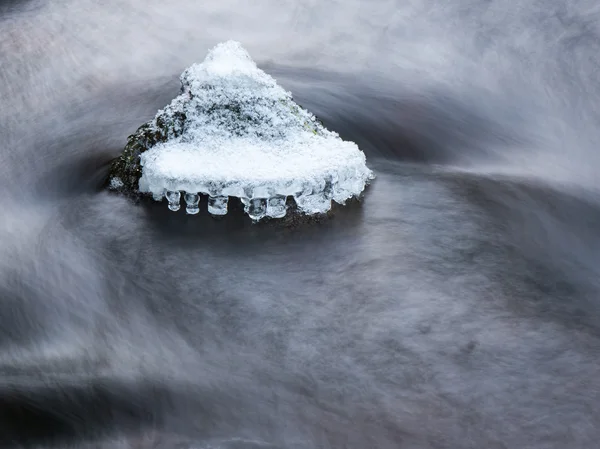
x=192 y=199
x=217 y=205
x=173 y=197
x=257 y=208
x=276 y=207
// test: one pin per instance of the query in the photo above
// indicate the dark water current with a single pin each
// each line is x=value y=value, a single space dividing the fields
x=457 y=307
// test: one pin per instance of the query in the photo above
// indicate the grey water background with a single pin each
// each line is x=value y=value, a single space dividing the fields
x=457 y=307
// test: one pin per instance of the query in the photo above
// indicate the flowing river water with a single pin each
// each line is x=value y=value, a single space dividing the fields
x=458 y=306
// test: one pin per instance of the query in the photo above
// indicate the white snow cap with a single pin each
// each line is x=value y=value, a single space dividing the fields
x=227 y=59
x=243 y=136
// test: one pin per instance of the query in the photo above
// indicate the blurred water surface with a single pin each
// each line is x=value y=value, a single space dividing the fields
x=457 y=307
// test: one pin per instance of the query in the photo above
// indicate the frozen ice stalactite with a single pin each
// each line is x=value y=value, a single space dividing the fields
x=257 y=208
x=240 y=134
x=276 y=206
x=192 y=200
x=173 y=197
x=217 y=205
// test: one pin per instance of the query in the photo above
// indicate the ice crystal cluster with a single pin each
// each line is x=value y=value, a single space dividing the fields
x=234 y=132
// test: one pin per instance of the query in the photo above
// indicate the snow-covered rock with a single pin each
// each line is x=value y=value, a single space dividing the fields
x=234 y=132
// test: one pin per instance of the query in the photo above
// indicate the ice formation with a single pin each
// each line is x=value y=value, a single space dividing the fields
x=234 y=132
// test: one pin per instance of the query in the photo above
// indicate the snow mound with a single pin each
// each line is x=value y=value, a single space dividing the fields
x=240 y=134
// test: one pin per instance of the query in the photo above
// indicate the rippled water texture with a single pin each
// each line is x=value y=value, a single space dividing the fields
x=456 y=307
